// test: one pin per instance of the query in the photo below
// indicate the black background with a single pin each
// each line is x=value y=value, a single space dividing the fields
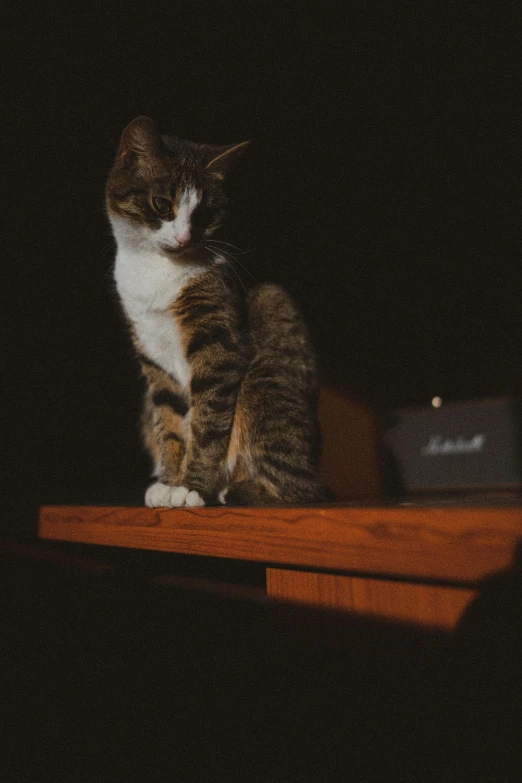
x=382 y=188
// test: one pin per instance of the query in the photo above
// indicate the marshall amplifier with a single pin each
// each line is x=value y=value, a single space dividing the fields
x=458 y=446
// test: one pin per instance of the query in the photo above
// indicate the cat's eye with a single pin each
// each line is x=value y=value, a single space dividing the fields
x=162 y=205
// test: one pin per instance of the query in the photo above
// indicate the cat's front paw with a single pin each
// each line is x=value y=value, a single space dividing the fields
x=160 y=495
x=194 y=499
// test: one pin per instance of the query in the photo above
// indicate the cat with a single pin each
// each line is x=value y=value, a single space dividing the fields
x=229 y=413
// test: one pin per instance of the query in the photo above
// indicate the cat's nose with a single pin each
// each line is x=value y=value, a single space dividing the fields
x=182 y=237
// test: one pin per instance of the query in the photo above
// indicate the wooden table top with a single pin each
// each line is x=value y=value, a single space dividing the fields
x=448 y=540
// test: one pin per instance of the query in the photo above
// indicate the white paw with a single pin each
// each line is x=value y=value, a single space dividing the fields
x=178 y=496
x=194 y=499
x=160 y=495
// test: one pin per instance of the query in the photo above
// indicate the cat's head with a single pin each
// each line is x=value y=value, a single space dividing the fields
x=165 y=194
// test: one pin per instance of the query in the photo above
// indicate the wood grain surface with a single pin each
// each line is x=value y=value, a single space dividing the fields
x=434 y=606
x=455 y=544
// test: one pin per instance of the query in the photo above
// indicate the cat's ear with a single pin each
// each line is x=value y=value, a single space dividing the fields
x=221 y=159
x=140 y=139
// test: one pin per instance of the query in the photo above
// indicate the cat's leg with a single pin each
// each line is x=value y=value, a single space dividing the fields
x=250 y=493
x=164 y=425
x=279 y=435
x=209 y=323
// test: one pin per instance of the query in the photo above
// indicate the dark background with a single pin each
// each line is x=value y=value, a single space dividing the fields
x=382 y=188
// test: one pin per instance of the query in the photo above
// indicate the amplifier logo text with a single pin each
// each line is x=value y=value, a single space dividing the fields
x=438 y=445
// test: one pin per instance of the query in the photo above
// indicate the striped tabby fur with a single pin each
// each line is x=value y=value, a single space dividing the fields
x=229 y=410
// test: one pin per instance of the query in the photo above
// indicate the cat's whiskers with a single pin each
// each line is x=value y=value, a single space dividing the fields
x=230 y=266
x=229 y=244
x=223 y=286
x=109 y=271
x=219 y=260
x=218 y=256
x=111 y=246
x=245 y=268
x=231 y=257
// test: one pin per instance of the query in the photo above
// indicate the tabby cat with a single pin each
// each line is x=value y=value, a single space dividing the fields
x=229 y=412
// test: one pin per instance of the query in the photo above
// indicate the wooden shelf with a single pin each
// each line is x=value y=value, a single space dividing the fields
x=453 y=544
x=410 y=563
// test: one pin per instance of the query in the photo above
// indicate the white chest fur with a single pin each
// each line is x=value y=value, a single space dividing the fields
x=149 y=284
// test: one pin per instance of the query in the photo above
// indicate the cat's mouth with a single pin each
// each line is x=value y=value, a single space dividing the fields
x=173 y=248
x=177 y=250
x=180 y=252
